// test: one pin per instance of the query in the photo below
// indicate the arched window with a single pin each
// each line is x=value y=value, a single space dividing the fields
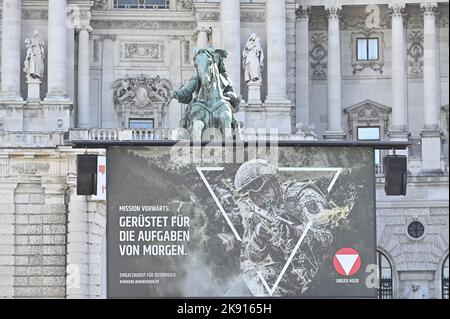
x=385 y=276
x=445 y=279
x=141 y=4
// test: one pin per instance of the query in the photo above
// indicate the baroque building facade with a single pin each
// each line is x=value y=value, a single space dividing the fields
x=333 y=70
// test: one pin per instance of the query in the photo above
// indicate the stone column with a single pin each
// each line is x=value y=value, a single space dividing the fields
x=83 y=97
x=77 y=246
x=334 y=131
x=276 y=52
x=202 y=36
x=302 y=67
x=108 y=111
x=398 y=130
x=173 y=115
x=431 y=134
x=70 y=63
x=11 y=44
x=230 y=27
x=57 y=51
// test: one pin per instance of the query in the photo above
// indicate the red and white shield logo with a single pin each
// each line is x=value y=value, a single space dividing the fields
x=346 y=261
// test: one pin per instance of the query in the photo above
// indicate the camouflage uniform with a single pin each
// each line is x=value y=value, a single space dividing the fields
x=269 y=242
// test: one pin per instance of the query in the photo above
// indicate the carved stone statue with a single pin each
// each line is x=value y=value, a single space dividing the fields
x=34 y=59
x=253 y=59
x=210 y=95
x=416 y=292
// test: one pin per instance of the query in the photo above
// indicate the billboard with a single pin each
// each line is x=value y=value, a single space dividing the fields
x=294 y=221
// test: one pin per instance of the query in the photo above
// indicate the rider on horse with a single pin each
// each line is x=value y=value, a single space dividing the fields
x=185 y=94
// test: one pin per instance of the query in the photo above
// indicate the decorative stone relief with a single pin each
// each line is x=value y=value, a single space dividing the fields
x=141 y=96
x=443 y=17
x=143 y=25
x=185 y=4
x=187 y=52
x=318 y=20
x=415 y=53
x=34 y=14
x=30 y=168
x=99 y=4
x=375 y=65
x=141 y=51
x=250 y=16
x=96 y=50
x=141 y=90
x=208 y=16
x=318 y=54
x=367 y=113
x=413 y=17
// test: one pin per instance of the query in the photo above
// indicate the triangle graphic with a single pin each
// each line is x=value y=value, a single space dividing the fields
x=337 y=171
x=347 y=262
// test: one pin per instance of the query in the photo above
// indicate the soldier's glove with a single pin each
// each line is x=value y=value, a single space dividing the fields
x=263 y=232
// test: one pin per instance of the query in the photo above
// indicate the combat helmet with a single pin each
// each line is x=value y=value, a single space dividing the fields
x=253 y=176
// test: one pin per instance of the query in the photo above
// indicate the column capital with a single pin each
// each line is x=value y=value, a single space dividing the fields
x=429 y=8
x=397 y=9
x=79 y=18
x=303 y=11
x=88 y=28
x=334 y=12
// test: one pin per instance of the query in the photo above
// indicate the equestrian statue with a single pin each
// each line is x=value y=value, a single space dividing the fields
x=212 y=102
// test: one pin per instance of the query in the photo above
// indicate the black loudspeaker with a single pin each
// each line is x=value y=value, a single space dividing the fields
x=395 y=173
x=87 y=175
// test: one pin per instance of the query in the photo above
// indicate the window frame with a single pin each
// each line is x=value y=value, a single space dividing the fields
x=367 y=41
x=368 y=139
x=389 y=293
x=141 y=119
x=416 y=224
x=377 y=152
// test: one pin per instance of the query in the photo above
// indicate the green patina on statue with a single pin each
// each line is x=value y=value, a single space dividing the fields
x=212 y=102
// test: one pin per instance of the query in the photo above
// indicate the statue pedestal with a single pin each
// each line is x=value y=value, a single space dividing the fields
x=254 y=93
x=34 y=87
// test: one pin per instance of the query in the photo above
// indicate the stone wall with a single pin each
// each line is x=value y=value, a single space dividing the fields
x=51 y=240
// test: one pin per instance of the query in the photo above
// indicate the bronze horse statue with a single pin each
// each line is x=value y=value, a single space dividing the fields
x=215 y=101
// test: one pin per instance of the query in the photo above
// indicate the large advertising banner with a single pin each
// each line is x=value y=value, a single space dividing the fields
x=294 y=221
